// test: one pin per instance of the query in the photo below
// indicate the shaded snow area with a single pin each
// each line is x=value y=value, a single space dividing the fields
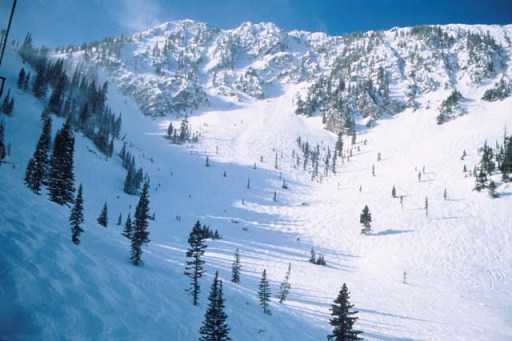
x=457 y=259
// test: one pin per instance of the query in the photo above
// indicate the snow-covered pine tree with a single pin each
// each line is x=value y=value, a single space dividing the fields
x=285 y=286
x=264 y=293
x=235 y=268
x=61 y=179
x=103 y=218
x=365 y=219
x=343 y=318
x=76 y=219
x=127 y=232
x=194 y=267
x=214 y=326
x=38 y=166
x=140 y=234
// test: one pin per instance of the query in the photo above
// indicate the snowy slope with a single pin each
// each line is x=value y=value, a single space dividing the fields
x=458 y=259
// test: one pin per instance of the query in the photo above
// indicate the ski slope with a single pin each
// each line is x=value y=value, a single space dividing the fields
x=458 y=259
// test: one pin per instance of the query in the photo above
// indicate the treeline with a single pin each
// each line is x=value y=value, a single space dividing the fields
x=78 y=97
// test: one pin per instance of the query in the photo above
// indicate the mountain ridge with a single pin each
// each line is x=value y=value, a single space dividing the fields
x=181 y=66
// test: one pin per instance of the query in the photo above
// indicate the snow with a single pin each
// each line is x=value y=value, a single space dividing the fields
x=458 y=259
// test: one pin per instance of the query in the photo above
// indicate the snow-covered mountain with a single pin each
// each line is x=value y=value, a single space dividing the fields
x=436 y=266
x=180 y=66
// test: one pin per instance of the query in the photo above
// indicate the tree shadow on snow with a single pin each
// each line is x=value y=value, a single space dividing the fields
x=389 y=232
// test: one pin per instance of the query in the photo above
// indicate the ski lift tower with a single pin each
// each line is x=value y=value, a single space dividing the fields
x=4 y=34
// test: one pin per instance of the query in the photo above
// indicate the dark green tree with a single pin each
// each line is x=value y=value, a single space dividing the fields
x=343 y=318
x=480 y=180
x=127 y=232
x=38 y=167
x=194 y=267
x=140 y=235
x=103 y=218
x=285 y=286
x=61 y=178
x=366 y=219
x=214 y=326
x=40 y=85
x=235 y=268
x=7 y=104
x=264 y=293
x=492 y=189
x=76 y=219
x=21 y=78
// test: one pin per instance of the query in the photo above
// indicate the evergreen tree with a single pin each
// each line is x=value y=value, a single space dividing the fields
x=393 y=192
x=264 y=293
x=214 y=326
x=127 y=232
x=21 y=78
x=312 y=259
x=40 y=85
x=235 y=268
x=26 y=83
x=76 y=219
x=194 y=268
x=7 y=104
x=480 y=180
x=343 y=318
x=103 y=218
x=55 y=102
x=119 y=219
x=140 y=234
x=365 y=220
x=38 y=167
x=492 y=189
x=61 y=179
x=284 y=287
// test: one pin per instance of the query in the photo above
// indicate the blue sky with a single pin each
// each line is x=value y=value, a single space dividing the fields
x=61 y=22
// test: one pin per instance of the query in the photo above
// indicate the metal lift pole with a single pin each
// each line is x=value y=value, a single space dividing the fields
x=4 y=43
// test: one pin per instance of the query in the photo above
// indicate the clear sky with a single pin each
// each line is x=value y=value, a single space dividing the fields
x=61 y=22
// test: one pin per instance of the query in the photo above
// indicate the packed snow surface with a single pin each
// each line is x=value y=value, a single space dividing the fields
x=457 y=259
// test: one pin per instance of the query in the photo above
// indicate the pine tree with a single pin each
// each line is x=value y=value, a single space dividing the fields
x=26 y=83
x=103 y=218
x=365 y=220
x=40 y=85
x=492 y=189
x=481 y=180
x=127 y=232
x=393 y=192
x=214 y=326
x=140 y=234
x=38 y=167
x=343 y=318
x=235 y=268
x=7 y=104
x=312 y=259
x=21 y=78
x=284 y=287
x=61 y=179
x=76 y=219
x=264 y=293
x=194 y=268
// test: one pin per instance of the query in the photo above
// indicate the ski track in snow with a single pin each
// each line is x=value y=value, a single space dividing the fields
x=458 y=258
